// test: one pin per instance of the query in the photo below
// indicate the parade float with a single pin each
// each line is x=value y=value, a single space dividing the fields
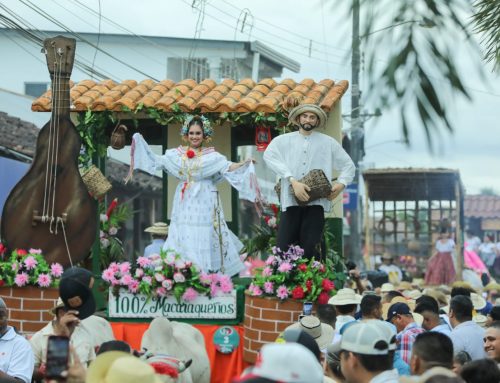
x=41 y=211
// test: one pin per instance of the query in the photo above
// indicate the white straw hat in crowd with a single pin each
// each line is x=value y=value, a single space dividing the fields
x=386 y=287
x=160 y=228
x=345 y=297
x=478 y=301
x=480 y=319
x=321 y=332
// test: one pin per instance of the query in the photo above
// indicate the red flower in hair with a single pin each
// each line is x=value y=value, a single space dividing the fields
x=327 y=285
x=302 y=267
x=190 y=153
x=323 y=298
x=298 y=293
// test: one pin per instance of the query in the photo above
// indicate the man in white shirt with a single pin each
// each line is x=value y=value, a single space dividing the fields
x=466 y=334
x=394 y=272
x=16 y=357
x=293 y=155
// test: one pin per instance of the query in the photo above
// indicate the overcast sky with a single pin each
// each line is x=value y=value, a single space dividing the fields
x=320 y=29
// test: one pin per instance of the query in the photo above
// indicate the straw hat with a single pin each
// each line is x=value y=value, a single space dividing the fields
x=59 y=305
x=478 y=301
x=386 y=287
x=386 y=255
x=480 y=319
x=321 y=332
x=492 y=286
x=412 y=294
x=311 y=108
x=160 y=228
x=345 y=297
x=120 y=367
x=385 y=306
x=404 y=285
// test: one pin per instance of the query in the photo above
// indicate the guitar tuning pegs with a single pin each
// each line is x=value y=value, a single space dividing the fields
x=60 y=51
x=43 y=50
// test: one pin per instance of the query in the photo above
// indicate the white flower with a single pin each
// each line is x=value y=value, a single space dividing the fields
x=104 y=218
x=113 y=230
x=104 y=242
x=179 y=278
x=180 y=264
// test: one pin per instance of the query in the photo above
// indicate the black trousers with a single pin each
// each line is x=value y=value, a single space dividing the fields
x=303 y=226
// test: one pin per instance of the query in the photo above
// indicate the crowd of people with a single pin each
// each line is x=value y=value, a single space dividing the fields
x=396 y=333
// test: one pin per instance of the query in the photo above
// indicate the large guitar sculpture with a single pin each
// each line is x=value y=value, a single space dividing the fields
x=50 y=208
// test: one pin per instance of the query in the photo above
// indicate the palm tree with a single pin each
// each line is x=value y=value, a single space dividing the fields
x=422 y=66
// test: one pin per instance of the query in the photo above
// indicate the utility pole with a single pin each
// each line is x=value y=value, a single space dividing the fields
x=356 y=136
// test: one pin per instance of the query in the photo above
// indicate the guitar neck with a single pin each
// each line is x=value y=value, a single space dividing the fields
x=60 y=97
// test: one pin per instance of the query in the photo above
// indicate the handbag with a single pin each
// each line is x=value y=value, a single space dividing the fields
x=318 y=183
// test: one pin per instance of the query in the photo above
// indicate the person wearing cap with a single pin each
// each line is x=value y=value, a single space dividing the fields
x=365 y=355
x=293 y=155
x=400 y=315
x=394 y=272
x=16 y=357
x=492 y=341
x=159 y=232
x=285 y=363
x=346 y=302
x=466 y=334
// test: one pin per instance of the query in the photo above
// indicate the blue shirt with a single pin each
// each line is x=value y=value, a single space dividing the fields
x=443 y=328
x=154 y=248
x=468 y=336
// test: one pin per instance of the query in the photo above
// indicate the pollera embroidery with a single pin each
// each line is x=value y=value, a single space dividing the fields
x=189 y=167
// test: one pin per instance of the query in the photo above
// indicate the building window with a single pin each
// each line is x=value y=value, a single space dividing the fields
x=35 y=89
x=182 y=68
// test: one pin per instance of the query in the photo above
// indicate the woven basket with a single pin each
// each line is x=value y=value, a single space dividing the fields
x=97 y=184
x=317 y=181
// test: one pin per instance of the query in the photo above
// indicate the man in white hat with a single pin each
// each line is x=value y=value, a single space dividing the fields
x=159 y=232
x=346 y=302
x=293 y=155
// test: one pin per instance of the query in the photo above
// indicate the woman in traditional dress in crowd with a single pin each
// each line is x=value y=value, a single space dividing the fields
x=197 y=227
x=471 y=257
x=440 y=268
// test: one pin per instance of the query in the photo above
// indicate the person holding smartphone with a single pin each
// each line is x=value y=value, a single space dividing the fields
x=16 y=357
x=66 y=324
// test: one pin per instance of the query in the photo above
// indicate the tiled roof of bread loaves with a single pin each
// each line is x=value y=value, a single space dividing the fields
x=207 y=96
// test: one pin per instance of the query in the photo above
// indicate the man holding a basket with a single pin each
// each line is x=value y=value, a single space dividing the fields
x=305 y=161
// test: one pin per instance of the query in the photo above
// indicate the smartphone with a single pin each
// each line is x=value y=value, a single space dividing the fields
x=307 y=308
x=57 y=356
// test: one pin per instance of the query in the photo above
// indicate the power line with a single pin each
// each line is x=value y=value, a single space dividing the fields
x=45 y=15
x=269 y=42
x=119 y=26
x=29 y=35
x=290 y=31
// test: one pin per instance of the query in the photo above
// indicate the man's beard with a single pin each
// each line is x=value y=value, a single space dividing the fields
x=307 y=127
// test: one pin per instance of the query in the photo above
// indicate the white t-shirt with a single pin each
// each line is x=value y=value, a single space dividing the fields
x=446 y=247
x=16 y=356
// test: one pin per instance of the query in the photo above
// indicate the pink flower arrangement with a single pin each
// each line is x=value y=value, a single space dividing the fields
x=289 y=275
x=166 y=274
x=25 y=268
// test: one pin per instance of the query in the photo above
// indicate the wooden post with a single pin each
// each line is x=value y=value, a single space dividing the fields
x=366 y=219
x=458 y=230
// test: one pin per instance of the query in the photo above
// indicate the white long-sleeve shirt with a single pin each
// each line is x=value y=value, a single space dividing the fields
x=295 y=155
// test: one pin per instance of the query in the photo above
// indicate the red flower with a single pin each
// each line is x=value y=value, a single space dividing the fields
x=21 y=252
x=111 y=207
x=3 y=249
x=275 y=209
x=190 y=153
x=298 y=293
x=2 y=282
x=323 y=298
x=322 y=268
x=327 y=285
x=309 y=284
x=302 y=267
